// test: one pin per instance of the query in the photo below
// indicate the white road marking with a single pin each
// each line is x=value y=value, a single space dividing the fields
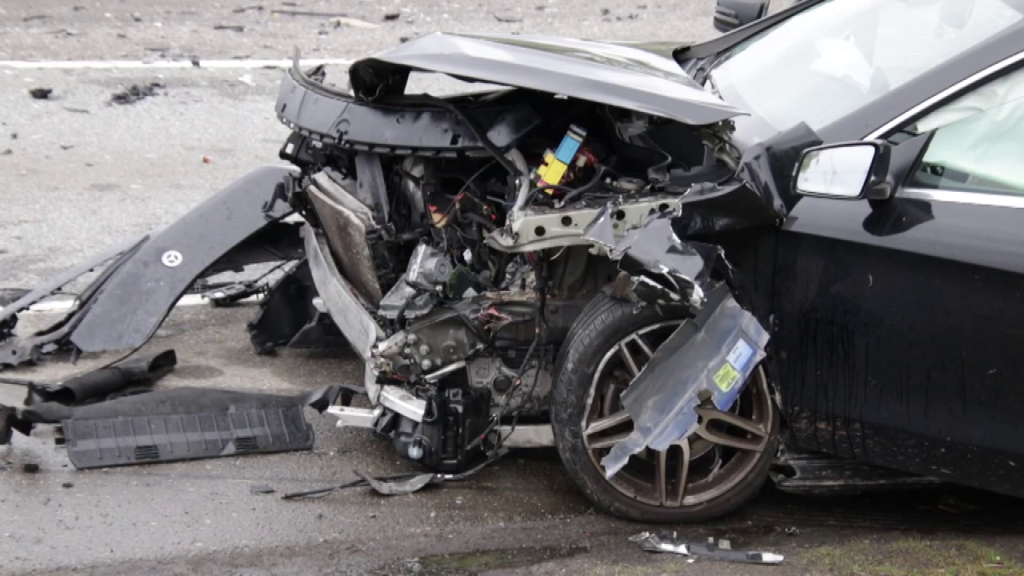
x=63 y=306
x=162 y=64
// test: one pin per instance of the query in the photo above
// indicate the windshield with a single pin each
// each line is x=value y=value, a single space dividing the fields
x=830 y=60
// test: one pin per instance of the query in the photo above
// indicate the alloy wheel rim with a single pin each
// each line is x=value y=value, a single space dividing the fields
x=694 y=470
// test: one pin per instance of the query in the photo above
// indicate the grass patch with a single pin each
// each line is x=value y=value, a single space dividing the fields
x=903 y=556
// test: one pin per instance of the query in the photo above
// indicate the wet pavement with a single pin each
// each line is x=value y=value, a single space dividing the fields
x=82 y=174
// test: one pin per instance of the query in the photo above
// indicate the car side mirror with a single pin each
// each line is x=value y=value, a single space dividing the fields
x=848 y=171
x=732 y=14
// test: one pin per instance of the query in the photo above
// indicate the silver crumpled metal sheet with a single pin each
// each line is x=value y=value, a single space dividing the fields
x=717 y=550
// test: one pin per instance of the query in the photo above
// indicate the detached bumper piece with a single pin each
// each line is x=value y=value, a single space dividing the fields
x=183 y=424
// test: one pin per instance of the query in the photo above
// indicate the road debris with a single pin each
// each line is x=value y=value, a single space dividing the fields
x=403 y=483
x=68 y=485
x=30 y=468
x=507 y=18
x=353 y=23
x=7 y=152
x=286 y=12
x=397 y=487
x=135 y=93
x=41 y=93
x=138 y=372
x=207 y=160
x=389 y=16
x=716 y=550
x=246 y=79
x=254 y=7
x=792 y=531
x=260 y=489
x=231 y=27
x=35 y=17
x=179 y=424
x=76 y=110
x=66 y=146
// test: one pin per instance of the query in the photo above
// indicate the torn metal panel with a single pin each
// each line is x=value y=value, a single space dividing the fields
x=343 y=305
x=183 y=424
x=761 y=194
x=655 y=255
x=615 y=74
x=140 y=371
x=768 y=167
x=708 y=359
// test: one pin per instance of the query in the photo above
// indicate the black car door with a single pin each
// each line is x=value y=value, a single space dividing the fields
x=899 y=324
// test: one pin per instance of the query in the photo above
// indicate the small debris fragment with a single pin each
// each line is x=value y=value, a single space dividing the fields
x=78 y=8
x=195 y=61
x=260 y=489
x=306 y=12
x=41 y=93
x=135 y=93
x=404 y=39
x=246 y=79
x=720 y=550
x=76 y=110
x=352 y=23
x=256 y=7
x=136 y=17
x=68 y=485
x=540 y=8
x=389 y=16
x=30 y=468
x=605 y=11
x=396 y=487
x=35 y=17
x=207 y=160
x=14 y=135
x=507 y=18
x=792 y=531
x=232 y=27
x=7 y=152
x=66 y=146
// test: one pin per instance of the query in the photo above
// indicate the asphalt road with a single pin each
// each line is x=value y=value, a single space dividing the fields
x=81 y=174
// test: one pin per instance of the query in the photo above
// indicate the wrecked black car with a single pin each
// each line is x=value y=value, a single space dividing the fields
x=785 y=251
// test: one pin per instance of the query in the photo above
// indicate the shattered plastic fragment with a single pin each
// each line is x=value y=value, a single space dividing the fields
x=711 y=356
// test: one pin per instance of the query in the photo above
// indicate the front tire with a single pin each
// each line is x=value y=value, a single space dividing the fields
x=705 y=476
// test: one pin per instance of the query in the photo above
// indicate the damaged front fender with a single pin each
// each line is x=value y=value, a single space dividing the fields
x=125 y=305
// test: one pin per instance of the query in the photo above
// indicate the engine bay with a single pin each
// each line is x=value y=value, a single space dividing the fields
x=460 y=226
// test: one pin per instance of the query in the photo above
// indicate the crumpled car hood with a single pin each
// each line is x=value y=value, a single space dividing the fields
x=618 y=74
